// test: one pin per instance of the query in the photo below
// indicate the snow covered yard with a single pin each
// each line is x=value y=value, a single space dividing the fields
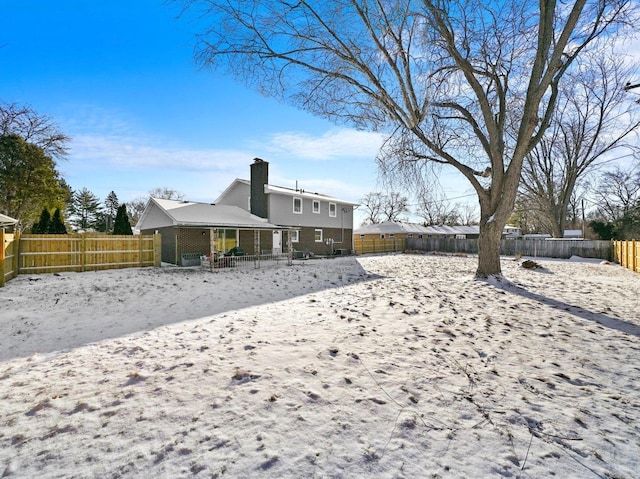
x=383 y=366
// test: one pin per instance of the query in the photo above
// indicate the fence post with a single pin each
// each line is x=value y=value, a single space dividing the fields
x=157 y=250
x=633 y=256
x=1 y=257
x=83 y=251
x=16 y=254
x=140 y=237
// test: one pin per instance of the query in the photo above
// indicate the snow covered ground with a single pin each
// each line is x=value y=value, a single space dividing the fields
x=398 y=366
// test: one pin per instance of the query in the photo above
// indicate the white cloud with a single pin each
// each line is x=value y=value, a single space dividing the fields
x=129 y=161
x=333 y=144
x=124 y=152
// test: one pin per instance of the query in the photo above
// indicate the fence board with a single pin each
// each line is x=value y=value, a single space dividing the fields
x=63 y=253
x=58 y=253
x=8 y=256
x=375 y=245
x=524 y=247
x=627 y=254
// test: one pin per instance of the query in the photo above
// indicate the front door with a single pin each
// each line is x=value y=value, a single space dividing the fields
x=277 y=242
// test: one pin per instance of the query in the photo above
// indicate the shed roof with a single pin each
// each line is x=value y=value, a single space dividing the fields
x=160 y=213
x=7 y=220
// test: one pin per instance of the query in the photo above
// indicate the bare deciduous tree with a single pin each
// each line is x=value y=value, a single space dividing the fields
x=165 y=193
x=394 y=205
x=380 y=207
x=593 y=120
x=468 y=214
x=464 y=83
x=33 y=128
x=617 y=192
x=372 y=204
x=135 y=208
x=434 y=209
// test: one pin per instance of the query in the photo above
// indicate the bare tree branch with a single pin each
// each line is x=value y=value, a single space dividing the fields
x=33 y=128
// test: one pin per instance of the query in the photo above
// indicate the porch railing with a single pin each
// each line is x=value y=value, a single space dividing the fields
x=245 y=261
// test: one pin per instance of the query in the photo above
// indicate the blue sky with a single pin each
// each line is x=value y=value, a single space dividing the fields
x=119 y=77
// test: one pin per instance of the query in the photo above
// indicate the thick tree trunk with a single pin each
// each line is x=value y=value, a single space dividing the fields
x=489 y=250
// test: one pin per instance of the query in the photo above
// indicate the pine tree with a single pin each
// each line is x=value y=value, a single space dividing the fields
x=56 y=226
x=85 y=210
x=122 y=226
x=42 y=226
x=111 y=204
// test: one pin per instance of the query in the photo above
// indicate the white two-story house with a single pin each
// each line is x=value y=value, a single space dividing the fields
x=315 y=223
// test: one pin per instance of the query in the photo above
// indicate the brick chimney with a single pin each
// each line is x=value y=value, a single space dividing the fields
x=259 y=178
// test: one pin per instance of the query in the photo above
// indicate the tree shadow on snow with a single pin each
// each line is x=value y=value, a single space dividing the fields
x=194 y=293
x=607 y=321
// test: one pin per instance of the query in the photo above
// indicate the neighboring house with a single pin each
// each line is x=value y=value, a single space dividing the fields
x=573 y=234
x=536 y=236
x=315 y=223
x=391 y=230
x=512 y=232
x=190 y=230
x=568 y=234
x=453 y=232
x=401 y=230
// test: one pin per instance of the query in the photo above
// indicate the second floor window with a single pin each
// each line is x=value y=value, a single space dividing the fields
x=316 y=206
x=332 y=209
x=297 y=205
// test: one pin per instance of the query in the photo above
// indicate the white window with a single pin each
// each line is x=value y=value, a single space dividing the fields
x=361 y=236
x=316 y=206
x=297 y=206
x=392 y=235
x=295 y=236
x=318 y=236
x=381 y=235
x=410 y=235
x=332 y=210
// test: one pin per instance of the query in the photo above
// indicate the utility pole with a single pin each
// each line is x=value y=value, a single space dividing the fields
x=583 y=222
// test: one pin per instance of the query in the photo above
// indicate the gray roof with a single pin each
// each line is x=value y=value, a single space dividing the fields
x=391 y=227
x=398 y=227
x=281 y=190
x=7 y=220
x=192 y=214
x=453 y=230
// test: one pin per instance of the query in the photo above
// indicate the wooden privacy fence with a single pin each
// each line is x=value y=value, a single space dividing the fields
x=376 y=245
x=555 y=248
x=627 y=254
x=23 y=254
x=8 y=257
